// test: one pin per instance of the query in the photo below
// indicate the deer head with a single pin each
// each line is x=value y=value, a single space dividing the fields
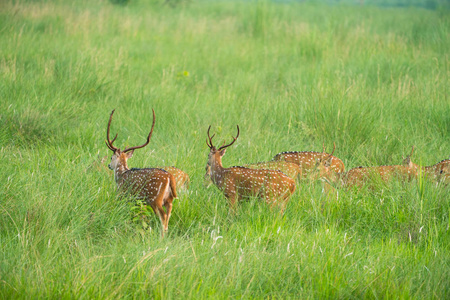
x=323 y=165
x=414 y=168
x=407 y=162
x=215 y=155
x=119 y=157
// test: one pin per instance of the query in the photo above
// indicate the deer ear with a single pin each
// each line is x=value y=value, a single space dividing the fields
x=222 y=152
x=327 y=163
x=130 y=154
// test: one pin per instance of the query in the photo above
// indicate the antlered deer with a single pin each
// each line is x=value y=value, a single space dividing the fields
x=240 y=182
x=440 y=172
x=360 y=176
x=307 y=161
x=156 y=186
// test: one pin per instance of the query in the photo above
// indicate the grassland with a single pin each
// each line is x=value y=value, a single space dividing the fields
x=293 y=76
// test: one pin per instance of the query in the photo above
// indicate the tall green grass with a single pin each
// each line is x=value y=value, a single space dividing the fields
x=293 y=76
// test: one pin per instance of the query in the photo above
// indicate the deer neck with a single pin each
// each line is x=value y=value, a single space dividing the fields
x=217 y=172
x=119 y=170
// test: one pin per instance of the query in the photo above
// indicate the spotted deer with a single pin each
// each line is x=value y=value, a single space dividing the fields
x=156 y=186
x=290 y=169
x=181 y=178
x=240 y=182
x=439 y=172
x=307 y=161
x=360 y=176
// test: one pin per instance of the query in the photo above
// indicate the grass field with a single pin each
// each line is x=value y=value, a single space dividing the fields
x=374 y=80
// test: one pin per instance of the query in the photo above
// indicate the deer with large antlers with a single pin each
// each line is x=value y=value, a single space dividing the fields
x=307 y=161
x=440 y=172
x=156 y=186
x=240 y=182
x=360 y=176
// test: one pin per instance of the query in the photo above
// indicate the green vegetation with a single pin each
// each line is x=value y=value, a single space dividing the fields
x=374 y=80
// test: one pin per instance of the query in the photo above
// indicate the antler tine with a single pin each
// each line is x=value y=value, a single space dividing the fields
x=111 y=148
x=109 y=143
x=323 y=151
x=148 y=138
x=234 y=140
x=210 y=145
x=329 y=156
x=114 y=138
x=412 y=150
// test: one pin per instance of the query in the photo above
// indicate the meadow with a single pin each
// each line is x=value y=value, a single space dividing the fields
x=373 y=80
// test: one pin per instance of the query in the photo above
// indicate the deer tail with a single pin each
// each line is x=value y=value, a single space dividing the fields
x=173 y=185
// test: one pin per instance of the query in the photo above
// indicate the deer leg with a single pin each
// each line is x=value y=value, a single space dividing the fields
x=168 y=206
x=233 y=203
x=159 y=211
x=282 y=207
x=328 y=190
x=162 y=217
x=269 y=197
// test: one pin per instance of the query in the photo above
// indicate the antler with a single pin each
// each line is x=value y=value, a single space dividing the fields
x=334 y=148
x=109 y=143
x=234 y=140
x=210 y=145
x=412 y=150
x=148 y=138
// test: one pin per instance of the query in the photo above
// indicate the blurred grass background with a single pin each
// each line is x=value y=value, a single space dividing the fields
x=293 y=75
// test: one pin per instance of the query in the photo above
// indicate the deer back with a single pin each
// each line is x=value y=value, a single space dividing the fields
x=307 y=160
x=442 y=167
x=147 y=183
x=361 y=175
x=246 y=182
x=290 y=169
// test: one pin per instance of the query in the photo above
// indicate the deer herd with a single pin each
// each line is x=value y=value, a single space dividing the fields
x=273 y=181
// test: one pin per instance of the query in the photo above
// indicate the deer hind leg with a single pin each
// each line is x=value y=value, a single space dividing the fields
x=157 y=204
x=164 y=198
x=283 y=199
x=268 y=195
x=168 y=196
x=168 y=206
x=159 y=211
x=162 y=217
